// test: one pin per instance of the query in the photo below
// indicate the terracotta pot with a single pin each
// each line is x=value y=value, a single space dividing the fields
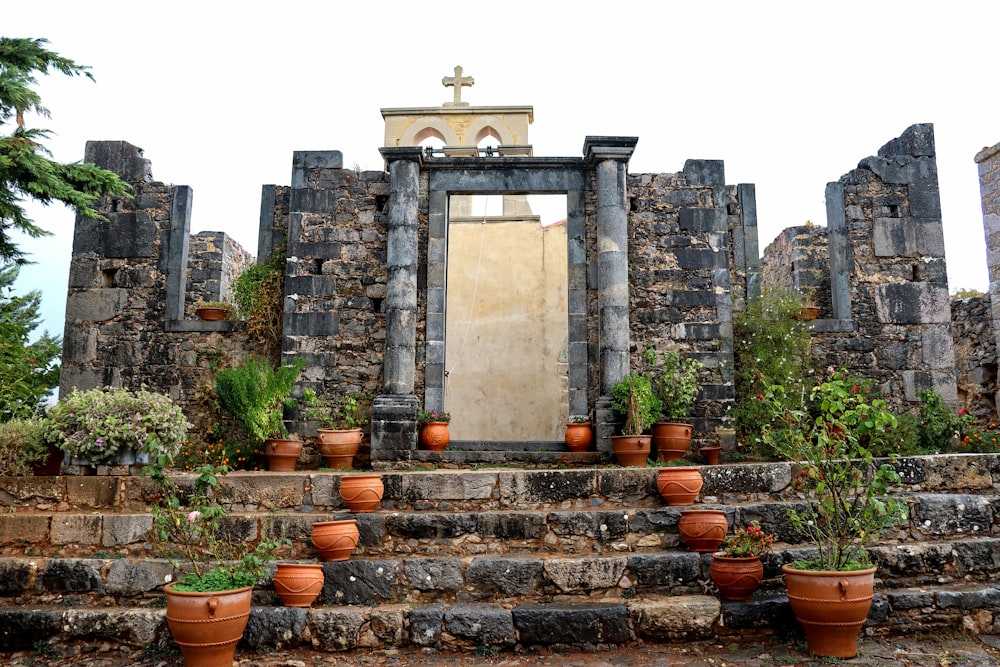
x=52 y=464
x=631 y=450
x=298 y=584
x=807 y=313
x=335 y=540
x=671 y=440
x=207 y=626
x=361 y=493
x=579 y=437
x=434 y=436
x=679 y=486
x=282 y=453
x=736 y=577
x=831 y=606
x=338 y=446
x=211 y=314
x=703 y=530
x=711 y=455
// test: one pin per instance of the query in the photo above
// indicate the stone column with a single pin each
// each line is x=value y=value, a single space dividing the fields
x=609 y=157
x=988 y=161
x=394 y=424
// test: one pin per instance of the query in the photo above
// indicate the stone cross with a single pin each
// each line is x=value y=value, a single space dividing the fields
x=457 y=81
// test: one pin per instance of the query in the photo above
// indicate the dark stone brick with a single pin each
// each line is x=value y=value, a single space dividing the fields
x=603 y=525
x=504 y=576
x=773 y=612
x=71 y=576
x=910 y=469
x=705 y=172
x=626 y=483
x=665 y=569
x=978 y=555
x=434 y=574
x=693 y=259
x=902 y=600
x=703 y=219
x=425 y=625
x=15 y=575
x=21 y=628
x=364 y=582
x=431 y=525
x=371 y=529
x=511 y=526
x=966 y=600
x=553 y=487
x=568 y=623
x=277 y=627
x=485 y=624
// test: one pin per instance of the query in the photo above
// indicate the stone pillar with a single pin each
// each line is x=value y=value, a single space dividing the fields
x=988 y=161
x=394 y=423
x=609 y=157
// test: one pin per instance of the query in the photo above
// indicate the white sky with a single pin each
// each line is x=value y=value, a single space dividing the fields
x=791 y=95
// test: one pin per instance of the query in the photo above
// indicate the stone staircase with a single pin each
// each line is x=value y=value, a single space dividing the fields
x=494 y=557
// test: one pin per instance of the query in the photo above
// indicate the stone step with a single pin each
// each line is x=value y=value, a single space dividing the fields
x=469 y=625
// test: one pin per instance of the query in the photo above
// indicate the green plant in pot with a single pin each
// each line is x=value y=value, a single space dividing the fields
x=848 y=505
x=676 y=382
x=23 y=445
x=213 y=310
x=342 y=423
x=256 y=395
x=107 y=426
x=209 y=605
x=633 y=399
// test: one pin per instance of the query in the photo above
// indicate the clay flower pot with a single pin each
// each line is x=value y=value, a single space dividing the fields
x=736 y=577
x=711 y=454
x=210 y=314
x=208 y=625
x=335 y=540
x=338 y=446
x=298 y=584
x=282 y=453
x=703 y=530
x=579 y=437
x=671 y=440
x=631 y=450
x=680 y=485
x=434 y=436
x=831 y=606
x=361 y=493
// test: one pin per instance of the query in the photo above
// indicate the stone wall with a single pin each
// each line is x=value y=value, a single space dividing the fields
x=988 y=161
x=214 y=262
x=799 y=258
x=975 y=356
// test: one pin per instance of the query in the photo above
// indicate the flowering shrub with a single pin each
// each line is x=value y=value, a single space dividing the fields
x=981 y=440
x=425 y=417
x=217 y=450
x=22 y=445
x=939 y=426
x=747 y=542
x=188 y=530
x=95 y=424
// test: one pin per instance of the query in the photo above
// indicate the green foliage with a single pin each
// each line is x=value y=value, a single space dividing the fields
x=96 y=423
x=966 y=293
x=746 y=542
x=633 y=399
x=771 y=348
x=258 y=293
x=980 y=440
x=25 y=169
x=188 y=530
x=354 y=410
x=940 y=428
x=22 y=445
x=28 y=370
x=675 y=382
x=256 y=395
x=426 y=417
x=216 y=449
x=847 y=493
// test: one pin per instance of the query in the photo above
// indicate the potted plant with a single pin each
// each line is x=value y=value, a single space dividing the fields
x=213 y=311
x=676 y=383
x=341 y=424
x=108 y=426
x=209 y=605
x=579 y=437
x=24 y=450
x=434 y=429
x=737 y=569
x=633 y=399
x=256 y=395
x=848 y=506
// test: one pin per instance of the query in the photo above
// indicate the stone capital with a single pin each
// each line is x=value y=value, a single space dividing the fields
x=394 y=153
x=596 y=149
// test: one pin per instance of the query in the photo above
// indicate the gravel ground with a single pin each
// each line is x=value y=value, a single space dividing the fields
x=951 y=651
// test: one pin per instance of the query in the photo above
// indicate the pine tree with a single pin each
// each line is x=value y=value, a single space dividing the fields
x=25 y=168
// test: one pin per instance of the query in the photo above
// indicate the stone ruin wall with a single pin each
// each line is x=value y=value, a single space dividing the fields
x=988 y=162
x=336 y=278
x=799 y=259
x=214 y=263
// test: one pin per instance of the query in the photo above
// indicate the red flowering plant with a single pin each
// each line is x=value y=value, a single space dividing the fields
x=749 y=542
x=426 y=417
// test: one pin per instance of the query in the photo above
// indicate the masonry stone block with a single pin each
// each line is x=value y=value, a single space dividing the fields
x=335 y=629
x=938 y=346
x=360 y=582
x=546 y=487
x=511 y=526
x=257 y=490
x=96 y=305
x=911 y=469
x=986 y=597
x=771 y=612
x=572 y=623
x=951 y=514
x=697 y=259
x=622 y=484
x=425 y=624
x=16 y=575
x=907 y=237
x=76 y=529
x=702 y=219
x=600 y=525
x=434 y=574
x=449 y=485
x=585 y=574
x=504 y=576
x=903 y=600
x=72 y=576
x=669 y=570
x=981 y=555
x=481 y=624
x=280 y=627
x=705 y=172
x=908 y=560
x=122 y=529
x=132 y=578
x=383 y=628
x=745 y=479
x=23 y=628
x=326 y=323
x=958 y=473
x=684 y=617
x=912 y=303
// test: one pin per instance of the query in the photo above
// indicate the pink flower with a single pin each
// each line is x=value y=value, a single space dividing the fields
x=193 y=516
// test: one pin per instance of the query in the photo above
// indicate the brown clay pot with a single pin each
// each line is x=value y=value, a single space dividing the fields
x=298 y=584
x=736 y=577
x=680 y=485
x=207 y=626
x=631 y=450
x=361 y=493
x=671 y=440
x=211 y=314
x=711 y=455
x=434 y=436
x=338 y=446
x=282 y=453
x=831 y=606
x=807 y=313
x=335 y=540
x=579 y=437
x=703 y=530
